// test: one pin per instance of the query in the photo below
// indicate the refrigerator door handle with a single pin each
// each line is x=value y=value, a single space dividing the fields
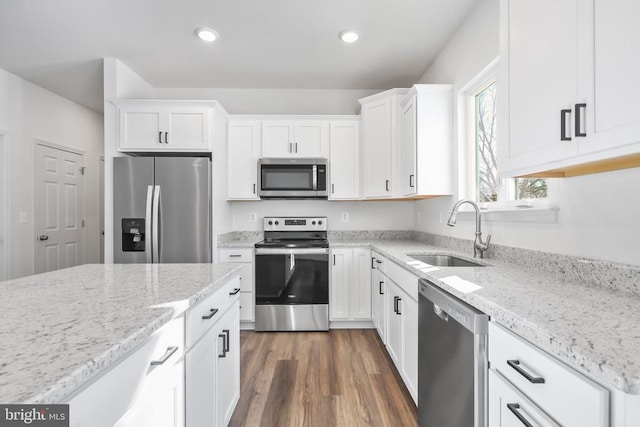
x=155 y=232
x=147 y=222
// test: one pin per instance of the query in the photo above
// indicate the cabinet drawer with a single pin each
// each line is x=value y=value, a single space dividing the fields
x=405 y=279
x=246 y=306
x=114 y=392
x=204 y=315
x=236 y=255
x=378 y=262
x=566 y=395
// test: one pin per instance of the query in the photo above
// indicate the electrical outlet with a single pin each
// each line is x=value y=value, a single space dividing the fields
x=345 y=216
x=253 y=217
x=23 y=217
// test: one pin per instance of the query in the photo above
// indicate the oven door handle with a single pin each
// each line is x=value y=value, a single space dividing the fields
x=290 y=251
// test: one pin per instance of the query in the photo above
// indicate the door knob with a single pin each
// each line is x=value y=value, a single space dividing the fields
x=44 y=237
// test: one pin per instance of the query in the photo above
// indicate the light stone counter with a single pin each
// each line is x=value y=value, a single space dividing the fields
x=595 y=329
x=60 y=329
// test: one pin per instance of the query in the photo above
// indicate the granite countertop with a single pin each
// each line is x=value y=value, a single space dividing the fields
x=595 y=329
x=62 y=328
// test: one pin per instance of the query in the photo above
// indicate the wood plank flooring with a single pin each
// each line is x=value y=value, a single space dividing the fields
x=316 y=379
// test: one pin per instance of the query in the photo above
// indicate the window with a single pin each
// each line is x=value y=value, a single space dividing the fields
x=484 y=184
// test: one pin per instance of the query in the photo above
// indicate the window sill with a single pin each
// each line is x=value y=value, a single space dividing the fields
x=541 y=213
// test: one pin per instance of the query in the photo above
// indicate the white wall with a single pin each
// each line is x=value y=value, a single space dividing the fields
x=598 y=214
x=275 y=101
x=29 y=112
x=378 y=215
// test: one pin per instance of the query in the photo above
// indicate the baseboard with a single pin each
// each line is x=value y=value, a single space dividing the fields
x=352 y=324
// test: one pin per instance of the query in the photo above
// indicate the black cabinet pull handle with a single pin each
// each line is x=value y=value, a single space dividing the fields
x=380 y=290
x=254 y=189
x=235 y=291
x=290 y=147
x=395 y=305
x=224 y=345
x=166 y=137
x=333 y=188
x=398 y=312
x=226 y=341
x=387 y=184
x=210 y=315
x=563 y=125
x=373 y=267
x=235 y=255
x=378 y=261
x=411 y=184
x=296 y=145
x=513 y=407
x=515 y=364
x=578 y=108
x=160 y=137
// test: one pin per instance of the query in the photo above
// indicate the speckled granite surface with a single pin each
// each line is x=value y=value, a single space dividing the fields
x=239 y=239
x=593 y=328
x=62 y=328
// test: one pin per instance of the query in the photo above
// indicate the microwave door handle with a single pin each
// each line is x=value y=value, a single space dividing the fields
x=315 y=177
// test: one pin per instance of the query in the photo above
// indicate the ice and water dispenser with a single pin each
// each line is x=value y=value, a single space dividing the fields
x=133 y=235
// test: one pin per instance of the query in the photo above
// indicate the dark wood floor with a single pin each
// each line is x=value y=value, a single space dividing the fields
x=336 y=378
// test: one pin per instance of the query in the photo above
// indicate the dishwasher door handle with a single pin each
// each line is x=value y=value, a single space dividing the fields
x=440 y=312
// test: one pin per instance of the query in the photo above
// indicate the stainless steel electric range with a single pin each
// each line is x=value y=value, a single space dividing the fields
x=292 y=275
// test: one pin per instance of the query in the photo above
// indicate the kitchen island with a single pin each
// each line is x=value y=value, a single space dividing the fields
x=63 y=328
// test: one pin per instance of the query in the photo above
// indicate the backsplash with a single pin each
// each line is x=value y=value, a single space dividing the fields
x=591 y=271
x=369 y=234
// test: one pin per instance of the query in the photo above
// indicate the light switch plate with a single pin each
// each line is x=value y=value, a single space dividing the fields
x=345 y=216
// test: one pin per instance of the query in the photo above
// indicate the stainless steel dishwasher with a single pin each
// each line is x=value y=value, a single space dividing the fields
x=452 y=360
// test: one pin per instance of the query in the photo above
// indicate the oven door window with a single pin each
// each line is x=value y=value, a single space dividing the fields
x=292 y=279
x=286 y=177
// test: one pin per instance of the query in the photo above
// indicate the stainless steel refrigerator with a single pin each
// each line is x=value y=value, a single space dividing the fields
x=162 y=209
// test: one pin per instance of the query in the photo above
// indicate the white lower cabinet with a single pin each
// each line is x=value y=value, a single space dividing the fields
x=247 y=300
x=378 y=292
x=144 y=389
x=213 y=360
x=350 y=291
x=565 y=395
x=402 y=334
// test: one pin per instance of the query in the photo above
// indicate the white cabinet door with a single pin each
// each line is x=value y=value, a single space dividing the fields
x=228 y=377
x=344 y=162
x=341 y=260
x=408 y=148
x=379 y=314
x=608 y=74
x=141 y=127
x=394 y=323
x=187 y=128
x=377 y=139
x=360 y=286
x=311 y=138
x=277 y=138
x=539 y=62
x=408 y=308
x=243 y=152
x=508 y=407
x=202 y=377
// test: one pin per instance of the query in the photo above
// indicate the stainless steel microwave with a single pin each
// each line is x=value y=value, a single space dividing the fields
x=296 y=178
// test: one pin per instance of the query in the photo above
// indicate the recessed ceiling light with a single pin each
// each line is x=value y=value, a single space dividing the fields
x=348 y=36
x=206 y=34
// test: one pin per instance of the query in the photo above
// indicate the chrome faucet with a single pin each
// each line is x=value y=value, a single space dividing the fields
x=478 y=244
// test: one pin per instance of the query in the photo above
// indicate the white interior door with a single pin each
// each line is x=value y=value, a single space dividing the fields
x=3 y=210
x=58 y=201
x=101 y=206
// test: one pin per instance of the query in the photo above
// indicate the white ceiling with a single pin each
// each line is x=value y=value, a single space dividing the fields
x=279 y=44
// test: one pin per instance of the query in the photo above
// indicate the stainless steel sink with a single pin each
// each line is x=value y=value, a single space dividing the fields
x=444 y=260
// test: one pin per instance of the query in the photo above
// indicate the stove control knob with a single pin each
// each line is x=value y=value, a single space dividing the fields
x=313 y=223
x=319 y=222
x=270 y=222
x=277 y=223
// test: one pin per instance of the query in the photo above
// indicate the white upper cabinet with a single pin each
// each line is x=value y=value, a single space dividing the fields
x=295 y=138
x=243 y=151
x=344 y=163
x=379 y=142
x=426 y=141
x=568 y=86
x=164 y=126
